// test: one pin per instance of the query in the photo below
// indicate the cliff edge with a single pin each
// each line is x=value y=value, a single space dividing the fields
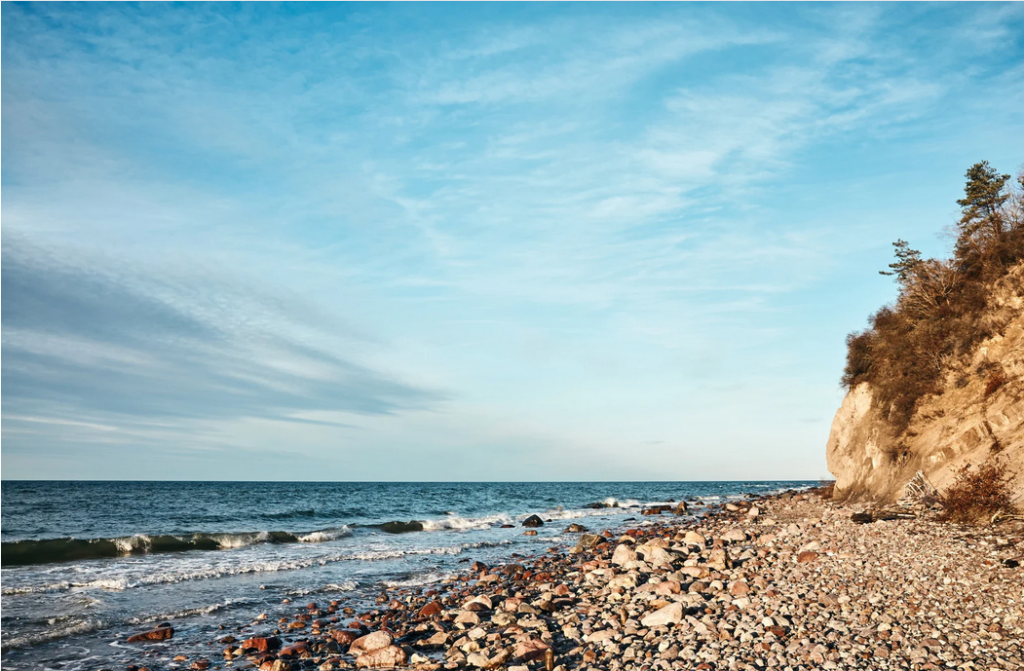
x=977 y=413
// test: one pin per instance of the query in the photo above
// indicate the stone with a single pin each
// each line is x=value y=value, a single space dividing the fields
x=734 y=536
x=479 y=603
x=158 y=634
x=530 y=649
x=382 y=658
x=739 y=588
x=806 y=556
x=575 y=529
x=429 y=610
x=694 y=538
x=588 y=541
x=695 y=571
x=371 y=642
x=623 y=554
x=719 y=560
x=468 y=617
x=530 y=532
x=401 y=527
x=659 y=556
x=533 y=521
x=300 y=649
x=753 y=512
x=439 y=639
x=670 y=614
x=262 y=643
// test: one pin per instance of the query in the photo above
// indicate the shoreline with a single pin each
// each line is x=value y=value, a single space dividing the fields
x=786 y=581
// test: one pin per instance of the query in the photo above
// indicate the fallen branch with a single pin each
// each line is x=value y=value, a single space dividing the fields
x=881 y=516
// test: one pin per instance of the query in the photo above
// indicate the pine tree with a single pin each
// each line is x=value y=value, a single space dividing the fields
x=982 y=204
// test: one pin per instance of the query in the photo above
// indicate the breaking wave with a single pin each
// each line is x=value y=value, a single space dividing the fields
x=170 y=577
x=30 y=552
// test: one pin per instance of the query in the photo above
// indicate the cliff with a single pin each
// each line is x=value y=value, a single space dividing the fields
x=977 y=414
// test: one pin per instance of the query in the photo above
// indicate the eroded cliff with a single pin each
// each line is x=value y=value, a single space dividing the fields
x=977 y=414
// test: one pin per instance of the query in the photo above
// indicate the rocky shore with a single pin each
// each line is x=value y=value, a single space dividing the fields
x=787 y=582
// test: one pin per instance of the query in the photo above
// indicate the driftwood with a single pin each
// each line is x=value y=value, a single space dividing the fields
x=881 y=515
x=919 y=490
x=1003 y=516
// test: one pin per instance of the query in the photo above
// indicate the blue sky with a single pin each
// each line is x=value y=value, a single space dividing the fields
x=468 y=242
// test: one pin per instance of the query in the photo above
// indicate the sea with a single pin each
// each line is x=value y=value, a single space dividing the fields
x=85 y=564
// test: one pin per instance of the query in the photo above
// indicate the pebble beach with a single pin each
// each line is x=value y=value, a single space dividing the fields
x=787 y=581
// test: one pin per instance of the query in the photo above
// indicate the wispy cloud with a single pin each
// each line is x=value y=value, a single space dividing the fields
x=89 y=346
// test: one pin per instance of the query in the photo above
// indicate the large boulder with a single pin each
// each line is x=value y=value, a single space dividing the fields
x=533 y=521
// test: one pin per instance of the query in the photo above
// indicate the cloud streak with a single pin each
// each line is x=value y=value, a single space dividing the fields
x=82 y=344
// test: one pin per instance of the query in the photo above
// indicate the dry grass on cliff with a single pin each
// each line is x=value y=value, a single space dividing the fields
x=977 y=494
x=940 y=315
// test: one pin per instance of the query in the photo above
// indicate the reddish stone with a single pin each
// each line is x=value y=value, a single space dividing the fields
x=530 y=649
x=806 y=556
x=343 y=636
x=294 y=650
x=158 y=634
x=275 y=665
x=261 y=643
x=430 y=610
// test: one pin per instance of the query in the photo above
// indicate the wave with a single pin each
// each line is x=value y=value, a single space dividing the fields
x=417 y=580
x=71 y=628
x=456 y=523
x=170 y=577
x=32 y=552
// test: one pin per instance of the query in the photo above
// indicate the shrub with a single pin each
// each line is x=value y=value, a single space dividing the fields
x=825 y=489
x=996 y=379
x=977 y=494
x=937 y=318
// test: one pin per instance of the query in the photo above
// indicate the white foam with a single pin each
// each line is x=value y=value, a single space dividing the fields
x=187 y=612
x=130 y=544
x=53 y=634
x=456 y=523
x=270 y=566
x=416 y=580
x=325 y=535
x=235 y=541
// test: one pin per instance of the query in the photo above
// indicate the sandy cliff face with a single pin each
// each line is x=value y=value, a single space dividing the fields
x=979 y=414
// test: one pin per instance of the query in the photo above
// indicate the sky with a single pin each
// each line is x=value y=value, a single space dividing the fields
x=468 y=241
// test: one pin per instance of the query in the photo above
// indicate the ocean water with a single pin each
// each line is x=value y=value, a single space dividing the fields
x=86 y=563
